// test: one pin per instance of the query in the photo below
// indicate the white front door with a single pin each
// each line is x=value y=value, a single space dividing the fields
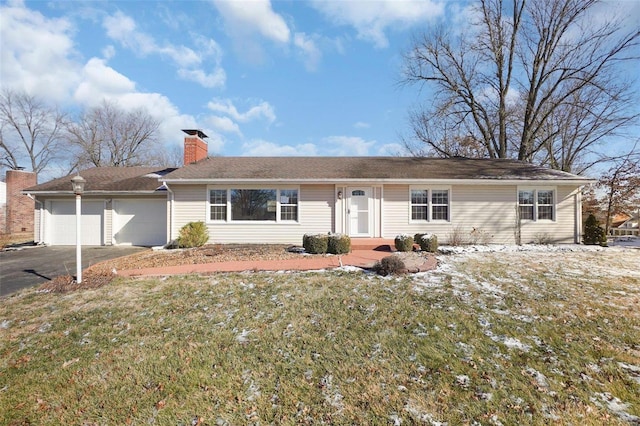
x=359 y=211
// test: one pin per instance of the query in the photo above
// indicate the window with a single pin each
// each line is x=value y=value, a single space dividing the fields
x=265 y=205
x=289 y=204
x=525 y=204
x=545 y=205
x=218 y=204
x=536 y=204
x=419 y=204
x=429 y=204
x=440 y=204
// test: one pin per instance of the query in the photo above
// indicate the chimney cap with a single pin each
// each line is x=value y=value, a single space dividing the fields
x=195 y=132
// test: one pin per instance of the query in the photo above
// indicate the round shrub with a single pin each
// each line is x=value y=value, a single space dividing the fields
x=428 y=242
x=403 y=242
x=315 y=244
x=390 y=265
x=193 y=234
x=338 y=244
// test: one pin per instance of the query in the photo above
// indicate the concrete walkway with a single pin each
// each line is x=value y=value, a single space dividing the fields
x=358 y=258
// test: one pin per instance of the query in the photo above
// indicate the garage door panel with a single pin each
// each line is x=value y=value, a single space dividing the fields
x=140 y=222
x=62 y=219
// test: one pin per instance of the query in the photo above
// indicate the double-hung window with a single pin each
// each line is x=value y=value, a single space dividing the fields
x=218 y=204
x=429 y=204
x=536 y=204
x=253 y=204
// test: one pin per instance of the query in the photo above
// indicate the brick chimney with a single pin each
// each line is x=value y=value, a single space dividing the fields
x=19 y=207
x=195 y=148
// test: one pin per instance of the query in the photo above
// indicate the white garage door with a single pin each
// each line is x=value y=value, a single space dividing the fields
x=62 y=223
x=140 y=222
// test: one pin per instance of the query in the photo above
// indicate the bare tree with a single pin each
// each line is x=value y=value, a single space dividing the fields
x=110 y=136
x=621 y=186
x=30 y=131
x=533 y=80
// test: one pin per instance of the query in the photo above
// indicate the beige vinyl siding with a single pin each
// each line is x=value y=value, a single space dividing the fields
x=562 y=229
x=489 y=209
x=315 y=215
x=190 y=205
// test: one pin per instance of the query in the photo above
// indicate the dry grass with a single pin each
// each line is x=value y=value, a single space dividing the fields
x=485 y=339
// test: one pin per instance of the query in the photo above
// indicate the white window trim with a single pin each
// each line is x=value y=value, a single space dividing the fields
x=535 y=189
x=251 y=222
x=430 y=188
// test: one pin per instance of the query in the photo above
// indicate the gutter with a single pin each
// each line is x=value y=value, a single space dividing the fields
x=337 y=181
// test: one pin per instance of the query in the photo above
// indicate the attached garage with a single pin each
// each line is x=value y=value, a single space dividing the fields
x=140 y=222
x=61 y=222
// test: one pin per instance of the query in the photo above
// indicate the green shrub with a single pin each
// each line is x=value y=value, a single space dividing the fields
x=593 y=232
x=338 y=244
x=315 y=244
x=193 y=234
x=428 y=242
x=403 y=242
x=390 y=265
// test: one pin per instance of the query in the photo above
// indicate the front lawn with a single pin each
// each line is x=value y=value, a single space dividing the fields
x=488 y=338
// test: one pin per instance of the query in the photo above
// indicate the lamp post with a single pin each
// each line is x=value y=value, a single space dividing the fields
x=77 y=183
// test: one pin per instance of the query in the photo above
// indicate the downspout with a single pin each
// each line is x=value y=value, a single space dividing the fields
x=171 y=211
x=40 y=224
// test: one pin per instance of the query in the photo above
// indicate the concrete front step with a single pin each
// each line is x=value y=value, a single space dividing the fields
x=378 y=244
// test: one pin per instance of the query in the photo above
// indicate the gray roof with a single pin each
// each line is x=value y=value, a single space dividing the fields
x=363 y=168
x=109 y=179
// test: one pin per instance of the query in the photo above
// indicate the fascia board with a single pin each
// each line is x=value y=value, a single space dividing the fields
x=579 y=182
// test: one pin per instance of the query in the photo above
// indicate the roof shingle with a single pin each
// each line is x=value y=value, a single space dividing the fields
x=375 y=168
x=109 y=179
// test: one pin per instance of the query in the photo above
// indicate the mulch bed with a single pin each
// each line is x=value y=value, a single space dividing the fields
x=103 y=273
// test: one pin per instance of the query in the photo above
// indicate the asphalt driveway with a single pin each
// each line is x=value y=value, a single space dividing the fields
x=32 y=266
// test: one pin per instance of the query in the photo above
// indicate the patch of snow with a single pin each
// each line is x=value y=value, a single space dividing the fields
x=615 y=405
x=463 y=381
x=416 y=414
x=243 y=336
x=539 y=379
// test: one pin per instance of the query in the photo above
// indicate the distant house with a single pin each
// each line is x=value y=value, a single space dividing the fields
x=279 y=199
x=628 y=227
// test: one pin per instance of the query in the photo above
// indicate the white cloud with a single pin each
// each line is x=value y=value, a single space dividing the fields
x=108 y=52
x=262 y=148
x=392 y=149
x=215 y=79
x=262 y=110
x=256 y=16
x=361 y=125
x=37 y=53
x=122 y=29
x=310 y=52
x=223 y=124
x=348 y=145
x=372 y=18
x=101 y=81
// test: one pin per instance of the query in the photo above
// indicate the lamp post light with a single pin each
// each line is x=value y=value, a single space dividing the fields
x=78 y=188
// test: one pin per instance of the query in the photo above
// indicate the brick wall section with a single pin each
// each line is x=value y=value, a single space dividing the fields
x=19 y=207
x=3 y=218
x=195 y=149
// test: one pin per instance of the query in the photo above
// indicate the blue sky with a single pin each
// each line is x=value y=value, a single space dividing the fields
x=259 y=77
